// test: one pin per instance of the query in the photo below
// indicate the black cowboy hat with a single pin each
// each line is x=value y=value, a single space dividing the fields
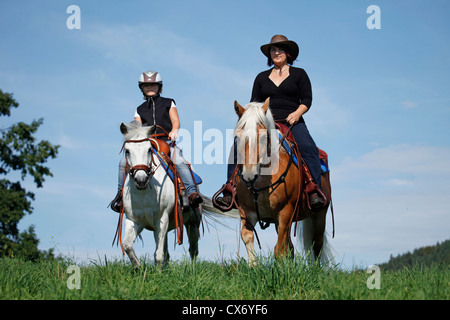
x=280 y=39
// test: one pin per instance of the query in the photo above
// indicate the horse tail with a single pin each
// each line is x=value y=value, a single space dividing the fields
x=215 y=214
x=305 y=233
x=327 y=255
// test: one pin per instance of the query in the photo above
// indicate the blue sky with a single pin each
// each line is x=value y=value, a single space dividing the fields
x=380 y=109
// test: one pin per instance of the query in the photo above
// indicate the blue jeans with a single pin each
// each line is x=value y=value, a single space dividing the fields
x=308 y=150
x=306 y=145
x=182 y=167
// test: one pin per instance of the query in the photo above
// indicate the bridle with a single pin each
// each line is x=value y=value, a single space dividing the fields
x=257 y=190
x=147 y=168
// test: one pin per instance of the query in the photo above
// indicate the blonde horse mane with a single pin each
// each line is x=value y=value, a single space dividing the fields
x=247 y=129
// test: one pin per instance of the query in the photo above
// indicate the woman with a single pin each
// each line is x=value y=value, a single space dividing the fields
x=289 y=89
x=160 y=111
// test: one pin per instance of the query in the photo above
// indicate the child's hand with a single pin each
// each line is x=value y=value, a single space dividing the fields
x=173 y=135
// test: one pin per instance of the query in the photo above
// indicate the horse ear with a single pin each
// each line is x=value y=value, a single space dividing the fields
x=123 y=128
x=238 y=108
x=266 y=105
x=151 y=130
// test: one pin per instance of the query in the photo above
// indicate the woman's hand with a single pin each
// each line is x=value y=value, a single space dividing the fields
x=295 y=116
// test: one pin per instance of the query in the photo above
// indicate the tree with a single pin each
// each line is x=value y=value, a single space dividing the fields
x=20 y=152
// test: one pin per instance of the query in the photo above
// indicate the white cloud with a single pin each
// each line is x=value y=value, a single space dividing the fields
x=327 y=116
x=407 y=104
x=192 y=67
x=149 y=45
x=396 y=165
x=70 y=143
x=398 y=182
x=389 y=201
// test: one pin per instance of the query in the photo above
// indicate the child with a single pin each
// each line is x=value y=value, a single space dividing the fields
x=160 y=111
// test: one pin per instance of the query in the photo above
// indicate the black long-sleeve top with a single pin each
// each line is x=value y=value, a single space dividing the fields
x=287 y=97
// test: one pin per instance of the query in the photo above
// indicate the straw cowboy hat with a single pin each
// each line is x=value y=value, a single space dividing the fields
x=280 y=39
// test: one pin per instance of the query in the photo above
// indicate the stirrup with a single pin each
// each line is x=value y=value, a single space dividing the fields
x=116 y=204
x=322 y=201
x=222 y=205
x=316 y=202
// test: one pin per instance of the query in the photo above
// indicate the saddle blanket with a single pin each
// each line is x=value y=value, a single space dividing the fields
x=197 y=178
x=322 y=155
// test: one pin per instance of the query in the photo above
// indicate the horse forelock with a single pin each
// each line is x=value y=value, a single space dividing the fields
x=253 y=119
x=135 y=131
x=247 y=131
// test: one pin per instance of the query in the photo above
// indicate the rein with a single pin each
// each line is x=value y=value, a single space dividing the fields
x=281 y=179
x=145 y=167
x=256 y=191
x=148 y=170
x=133 y=171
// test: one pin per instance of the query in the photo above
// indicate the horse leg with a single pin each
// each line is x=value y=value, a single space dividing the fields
x=248 y=238
x=193 y=233
x=162 y=252
x=284 y=246
x=318 y=228
x=312 y=232
x=132 y=230
x=321 y=247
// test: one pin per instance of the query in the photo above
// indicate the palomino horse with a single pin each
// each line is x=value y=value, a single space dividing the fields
x=268 y=186
x=149 y=197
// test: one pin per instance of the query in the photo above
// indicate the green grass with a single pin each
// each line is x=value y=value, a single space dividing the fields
x=204 y=280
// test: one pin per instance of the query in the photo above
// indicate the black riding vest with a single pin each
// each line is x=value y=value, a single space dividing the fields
x=158 y=107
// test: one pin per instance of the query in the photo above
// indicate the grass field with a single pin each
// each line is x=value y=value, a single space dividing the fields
x=204 y=280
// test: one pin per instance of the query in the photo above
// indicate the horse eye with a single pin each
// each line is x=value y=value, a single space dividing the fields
x=149 y=150
x=127 y=152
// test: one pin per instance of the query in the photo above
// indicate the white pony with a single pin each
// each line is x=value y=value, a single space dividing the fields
x=149 y=197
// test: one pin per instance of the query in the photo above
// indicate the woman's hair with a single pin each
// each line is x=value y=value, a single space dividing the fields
x=286 y=49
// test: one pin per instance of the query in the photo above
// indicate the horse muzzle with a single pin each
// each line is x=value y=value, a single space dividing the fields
x=250 y=183
x=140 y=174
x=249 y=177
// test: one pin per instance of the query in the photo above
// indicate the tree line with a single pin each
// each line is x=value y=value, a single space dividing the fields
x=20 y=152
x=426 y=256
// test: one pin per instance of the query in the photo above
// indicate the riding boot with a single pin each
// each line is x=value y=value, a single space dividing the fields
x=117 y=203
x=316 y=201
x=195 y=199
